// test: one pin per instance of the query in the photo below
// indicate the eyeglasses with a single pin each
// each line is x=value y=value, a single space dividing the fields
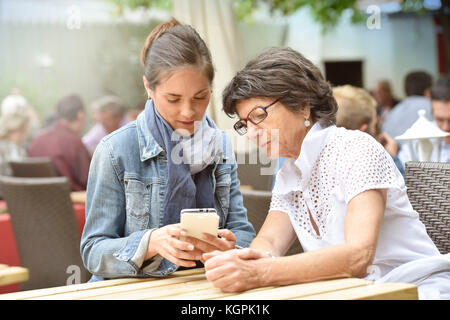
x=255 y=116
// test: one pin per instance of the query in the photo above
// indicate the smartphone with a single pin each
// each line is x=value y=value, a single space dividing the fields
x=199 y=221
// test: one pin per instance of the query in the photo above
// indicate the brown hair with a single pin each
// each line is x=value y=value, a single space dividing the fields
x=286 y=75
x=356 y=107
x=417 y=82
x=69 y=106
x=173 y=45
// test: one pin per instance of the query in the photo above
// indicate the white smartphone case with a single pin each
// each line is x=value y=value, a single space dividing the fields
x=199 y=221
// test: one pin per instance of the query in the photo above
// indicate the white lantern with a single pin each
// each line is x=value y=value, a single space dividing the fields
x=423 y=131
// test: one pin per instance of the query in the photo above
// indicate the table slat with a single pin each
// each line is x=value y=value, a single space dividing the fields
x=161 y=291
x=11 y=275
x=206 y=294
x=300 y=290
x=125 y=288
x=83 y=287
x=379 y=291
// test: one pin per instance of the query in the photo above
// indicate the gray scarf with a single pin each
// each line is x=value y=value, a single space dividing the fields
x=190 y=161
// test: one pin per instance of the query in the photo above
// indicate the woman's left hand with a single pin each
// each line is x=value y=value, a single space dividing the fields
x=234 y=270
x=227 y=241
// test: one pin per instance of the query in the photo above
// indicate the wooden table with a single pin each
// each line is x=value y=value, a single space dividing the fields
x=10 y=275
x=192 y=285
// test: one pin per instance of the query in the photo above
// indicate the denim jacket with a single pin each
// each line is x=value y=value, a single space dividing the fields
x=125 y=193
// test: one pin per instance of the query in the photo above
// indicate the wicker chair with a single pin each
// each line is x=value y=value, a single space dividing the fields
x=45 y=229
x=252 y=174
x=33 y=167
x=257 y=203
x=428 y=188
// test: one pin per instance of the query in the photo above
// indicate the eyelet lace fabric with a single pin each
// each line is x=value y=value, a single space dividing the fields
x=350 y=163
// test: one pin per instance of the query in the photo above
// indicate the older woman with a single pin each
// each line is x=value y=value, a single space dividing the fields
x=14 y=128
x=338 y=190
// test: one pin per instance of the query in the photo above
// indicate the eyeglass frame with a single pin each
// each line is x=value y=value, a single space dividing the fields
x=247 y=118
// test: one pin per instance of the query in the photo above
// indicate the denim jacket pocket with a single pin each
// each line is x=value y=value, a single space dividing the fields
x=137 y=197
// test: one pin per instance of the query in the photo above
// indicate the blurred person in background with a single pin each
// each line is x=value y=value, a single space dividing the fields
x=14 y=129
x=440 y=102
x=109 y=112
x=357 y=111
x=417 y=88
x=15 y=103
x=384 y=98
x=62 y=142
x=133 y=113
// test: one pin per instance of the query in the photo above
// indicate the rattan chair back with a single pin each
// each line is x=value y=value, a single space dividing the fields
x=45 y=230
x=33 y=167
x=428 y=188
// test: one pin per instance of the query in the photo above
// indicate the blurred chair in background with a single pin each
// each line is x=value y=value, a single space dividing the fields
x=255 y=171
x=38 y=167
x=45 y=229
x=257 y=203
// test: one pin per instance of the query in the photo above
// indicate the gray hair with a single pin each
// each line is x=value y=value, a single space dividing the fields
x=109 y=103
x=11 y=122
x=286 y=75
x=172 y=45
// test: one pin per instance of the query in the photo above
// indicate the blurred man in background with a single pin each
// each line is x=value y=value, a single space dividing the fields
x=402 y=117
x=62 y=142
x=109 y=113
x=440 y=102
x=385 y=99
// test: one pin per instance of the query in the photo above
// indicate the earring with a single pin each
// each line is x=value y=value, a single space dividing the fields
x=307 y=123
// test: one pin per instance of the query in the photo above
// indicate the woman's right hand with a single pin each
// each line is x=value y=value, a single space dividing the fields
x=166 y=242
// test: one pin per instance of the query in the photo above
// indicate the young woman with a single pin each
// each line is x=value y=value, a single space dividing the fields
x=171 y=158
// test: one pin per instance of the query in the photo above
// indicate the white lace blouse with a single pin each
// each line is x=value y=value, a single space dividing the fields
x=334 y=166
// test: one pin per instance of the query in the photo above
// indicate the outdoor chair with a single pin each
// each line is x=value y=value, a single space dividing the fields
x=45 y=230
x=257 y=203
x=428 y=188
x=33 y=167
x=254 y=171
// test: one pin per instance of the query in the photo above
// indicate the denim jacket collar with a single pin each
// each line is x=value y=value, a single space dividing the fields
x=148 y=147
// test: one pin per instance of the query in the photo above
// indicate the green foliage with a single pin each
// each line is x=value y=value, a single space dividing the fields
x=325 y=12
x=135 y=4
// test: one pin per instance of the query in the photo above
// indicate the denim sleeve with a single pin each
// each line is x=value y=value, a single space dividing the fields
x=105 y=251
x=237 y=220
